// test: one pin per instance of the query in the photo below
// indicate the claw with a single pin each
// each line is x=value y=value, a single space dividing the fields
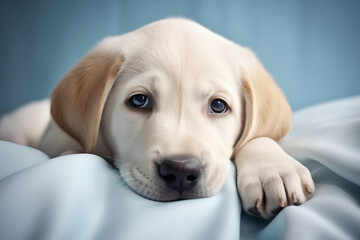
x=308 y=190
x=294 y=198
x=257 y=203
x=281 y=202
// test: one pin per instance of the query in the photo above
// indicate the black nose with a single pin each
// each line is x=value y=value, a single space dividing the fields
x=180 y=173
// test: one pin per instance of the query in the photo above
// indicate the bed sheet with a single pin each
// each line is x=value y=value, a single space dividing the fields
x=82 y=197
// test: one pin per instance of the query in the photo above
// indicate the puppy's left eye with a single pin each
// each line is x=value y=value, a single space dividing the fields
x=218 y=106
x=140 y=101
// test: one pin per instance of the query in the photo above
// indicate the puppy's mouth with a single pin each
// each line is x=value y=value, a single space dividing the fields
x=172 y=179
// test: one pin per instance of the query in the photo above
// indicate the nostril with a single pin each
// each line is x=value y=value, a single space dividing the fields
x=191 y=178
x=169 y=177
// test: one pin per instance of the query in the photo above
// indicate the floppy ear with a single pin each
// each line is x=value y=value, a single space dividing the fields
x=78 y=101
x=266 y=112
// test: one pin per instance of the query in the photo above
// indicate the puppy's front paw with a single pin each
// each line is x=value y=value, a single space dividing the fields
x=268 y=179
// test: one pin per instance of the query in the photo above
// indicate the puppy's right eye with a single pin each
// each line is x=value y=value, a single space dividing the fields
x=140 y=101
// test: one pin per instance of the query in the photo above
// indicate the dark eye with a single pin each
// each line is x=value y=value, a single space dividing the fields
x=218 y=106
x=140 y=101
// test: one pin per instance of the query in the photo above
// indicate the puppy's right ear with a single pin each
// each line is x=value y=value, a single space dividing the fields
x=266 y=110
x=78 y=101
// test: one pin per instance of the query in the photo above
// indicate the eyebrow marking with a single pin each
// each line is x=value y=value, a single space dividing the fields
x=154 y=86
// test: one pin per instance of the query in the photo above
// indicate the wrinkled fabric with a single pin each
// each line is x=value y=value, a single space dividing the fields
x=82 y=197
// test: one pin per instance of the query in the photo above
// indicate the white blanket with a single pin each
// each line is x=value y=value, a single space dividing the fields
x=82 y=197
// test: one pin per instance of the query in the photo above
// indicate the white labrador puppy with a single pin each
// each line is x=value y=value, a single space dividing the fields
x=173 y=103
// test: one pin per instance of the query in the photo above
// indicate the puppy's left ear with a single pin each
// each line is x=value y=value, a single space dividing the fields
x=266 y=112
x=78 y=101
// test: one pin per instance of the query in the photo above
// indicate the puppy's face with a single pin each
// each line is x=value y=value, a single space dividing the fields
x=174 y=117
x=175 y=102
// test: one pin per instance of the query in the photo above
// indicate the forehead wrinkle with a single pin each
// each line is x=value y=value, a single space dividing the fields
x=134 y=78
x=169 y=56
x=215 y=88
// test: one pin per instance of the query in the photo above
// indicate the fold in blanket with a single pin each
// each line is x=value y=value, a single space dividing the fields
x=83 y=197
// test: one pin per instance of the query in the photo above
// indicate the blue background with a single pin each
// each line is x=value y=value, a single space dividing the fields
x=312 y=48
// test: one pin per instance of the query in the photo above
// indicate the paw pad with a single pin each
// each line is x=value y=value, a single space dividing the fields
x=254 y=211
x=276 y=210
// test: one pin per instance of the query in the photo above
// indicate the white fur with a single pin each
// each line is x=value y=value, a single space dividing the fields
x=27 y=124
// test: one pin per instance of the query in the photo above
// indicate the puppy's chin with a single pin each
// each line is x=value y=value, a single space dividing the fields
x=169 y=195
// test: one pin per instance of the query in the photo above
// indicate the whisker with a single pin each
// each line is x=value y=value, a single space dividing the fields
x=112 y=160
x=125 y=179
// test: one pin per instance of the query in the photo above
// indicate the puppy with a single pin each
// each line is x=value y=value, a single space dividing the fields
x=173 y=103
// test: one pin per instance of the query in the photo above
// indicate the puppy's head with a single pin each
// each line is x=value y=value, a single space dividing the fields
x=175 y=102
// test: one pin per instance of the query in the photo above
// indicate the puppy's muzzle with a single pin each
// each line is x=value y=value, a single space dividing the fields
x=180 y=173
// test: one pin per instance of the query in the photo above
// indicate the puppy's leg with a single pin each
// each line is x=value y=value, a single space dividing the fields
x=55 y=142
x=26 y=124
x=268 y=179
